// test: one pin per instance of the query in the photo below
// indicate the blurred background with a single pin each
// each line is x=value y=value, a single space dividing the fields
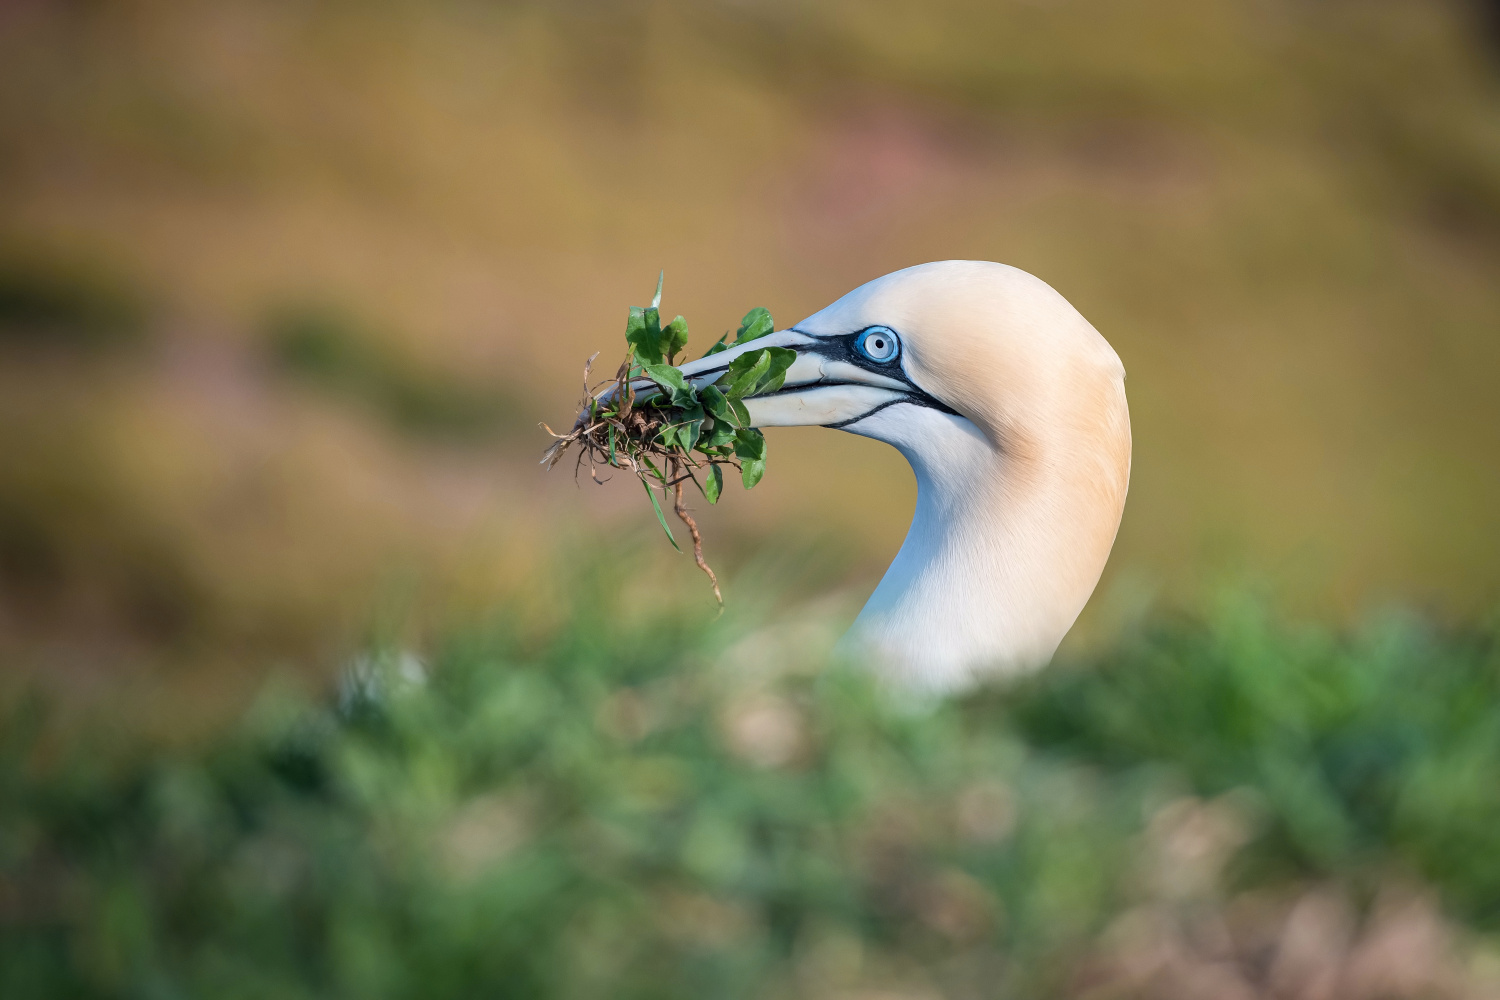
x=286 y=287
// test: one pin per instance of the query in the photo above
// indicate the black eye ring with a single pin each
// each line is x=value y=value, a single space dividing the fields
x=879 y=344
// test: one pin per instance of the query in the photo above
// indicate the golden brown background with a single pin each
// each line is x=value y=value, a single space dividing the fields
x=285 y=287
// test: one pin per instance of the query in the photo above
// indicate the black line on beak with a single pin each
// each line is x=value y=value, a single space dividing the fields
x=842 y=349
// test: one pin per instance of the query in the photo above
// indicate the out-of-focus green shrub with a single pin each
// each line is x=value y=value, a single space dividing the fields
x=1369 y=752
x=630 y=801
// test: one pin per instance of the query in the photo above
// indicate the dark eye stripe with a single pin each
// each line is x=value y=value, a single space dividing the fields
x=846 y=348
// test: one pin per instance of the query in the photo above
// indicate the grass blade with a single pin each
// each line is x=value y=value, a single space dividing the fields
x=660 y=517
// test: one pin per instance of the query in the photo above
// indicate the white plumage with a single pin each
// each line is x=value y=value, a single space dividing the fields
x=1011 y=409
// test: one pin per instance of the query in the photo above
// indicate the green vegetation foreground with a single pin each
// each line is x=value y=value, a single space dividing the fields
x=634 y=803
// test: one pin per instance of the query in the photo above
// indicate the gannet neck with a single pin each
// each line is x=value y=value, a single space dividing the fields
x=1003 y=551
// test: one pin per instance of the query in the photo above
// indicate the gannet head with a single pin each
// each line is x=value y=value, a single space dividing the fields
x=1011 y=409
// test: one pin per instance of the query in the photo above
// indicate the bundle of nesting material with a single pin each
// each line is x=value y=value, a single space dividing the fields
x=668 y=430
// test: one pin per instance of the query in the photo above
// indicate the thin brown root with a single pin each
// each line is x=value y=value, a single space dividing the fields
x=682 y=513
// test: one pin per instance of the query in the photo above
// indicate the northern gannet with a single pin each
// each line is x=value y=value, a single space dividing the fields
x=1010 y=408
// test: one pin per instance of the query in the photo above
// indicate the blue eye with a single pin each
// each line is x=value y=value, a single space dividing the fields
x=878 y=343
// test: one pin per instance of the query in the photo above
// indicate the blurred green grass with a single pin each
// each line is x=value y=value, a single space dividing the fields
x=602 y=791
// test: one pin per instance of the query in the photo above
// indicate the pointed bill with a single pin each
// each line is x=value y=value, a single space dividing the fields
x=823 y=386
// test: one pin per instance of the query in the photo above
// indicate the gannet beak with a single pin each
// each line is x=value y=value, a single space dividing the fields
x=823 y=387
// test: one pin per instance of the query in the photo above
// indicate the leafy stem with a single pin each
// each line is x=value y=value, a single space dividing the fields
x=678 y=428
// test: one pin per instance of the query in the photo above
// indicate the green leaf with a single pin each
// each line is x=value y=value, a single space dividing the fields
x=768 y=385
x=671 y=380
x=643 y=332
x=674 y=336
x=719 y=345
x=757 y=372
x=757 y=323
x=714 y=402
x=750 y=443
x=713 y=484
x=781 y=359
x=684 y=429
x=751 y=471
x=662 y=518
x=744 y=383
x=656 y=299
x=720 y=434
x=739 y=366
x=740 y=414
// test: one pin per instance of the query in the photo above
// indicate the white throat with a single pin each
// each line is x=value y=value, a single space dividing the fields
x=994 y=569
